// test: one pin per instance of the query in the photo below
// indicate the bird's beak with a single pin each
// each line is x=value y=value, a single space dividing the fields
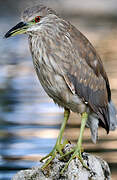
x=20 y=28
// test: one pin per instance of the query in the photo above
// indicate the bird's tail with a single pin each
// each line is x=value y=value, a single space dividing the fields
x=93 y=121
x=113 y=116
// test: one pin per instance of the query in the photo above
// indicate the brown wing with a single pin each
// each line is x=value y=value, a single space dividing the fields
x=91 y=89
x=86 y=74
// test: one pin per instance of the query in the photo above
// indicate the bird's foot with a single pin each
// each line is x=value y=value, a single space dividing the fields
x=77 y=153
x=57 y=149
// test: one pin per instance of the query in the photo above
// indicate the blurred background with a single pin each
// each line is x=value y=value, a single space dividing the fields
x=29 y=120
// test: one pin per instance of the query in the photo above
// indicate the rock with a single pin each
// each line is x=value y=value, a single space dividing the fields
x=99 y=169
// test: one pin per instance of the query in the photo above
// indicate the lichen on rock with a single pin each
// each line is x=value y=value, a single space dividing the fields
x=99 y=169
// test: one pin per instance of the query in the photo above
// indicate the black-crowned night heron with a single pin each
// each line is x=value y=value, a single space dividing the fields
x=70 y=71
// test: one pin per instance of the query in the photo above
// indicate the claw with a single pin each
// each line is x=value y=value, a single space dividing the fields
x=47 y=162
x=65 y=142
x=50 y=154
x=66 y=154
x=58 y=148
x=76 y=154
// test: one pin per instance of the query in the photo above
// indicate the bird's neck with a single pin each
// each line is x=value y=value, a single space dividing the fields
x=45 y=41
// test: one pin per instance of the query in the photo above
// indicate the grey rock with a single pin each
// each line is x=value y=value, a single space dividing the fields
x=99 y=169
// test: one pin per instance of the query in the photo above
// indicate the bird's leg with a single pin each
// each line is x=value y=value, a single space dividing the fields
x=78 y=149
x=58 y=146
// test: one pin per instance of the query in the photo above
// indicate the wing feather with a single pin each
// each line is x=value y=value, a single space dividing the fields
x=85 y=75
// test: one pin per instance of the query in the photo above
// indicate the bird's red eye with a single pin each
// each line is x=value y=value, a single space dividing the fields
x=37 y=19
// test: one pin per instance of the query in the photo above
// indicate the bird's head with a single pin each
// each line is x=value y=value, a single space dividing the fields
x=32 y=18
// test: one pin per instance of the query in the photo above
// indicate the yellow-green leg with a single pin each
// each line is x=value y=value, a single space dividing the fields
x=58 y=146
x=78 y=148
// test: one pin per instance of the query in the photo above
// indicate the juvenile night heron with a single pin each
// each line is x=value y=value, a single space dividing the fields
x=70 y=71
